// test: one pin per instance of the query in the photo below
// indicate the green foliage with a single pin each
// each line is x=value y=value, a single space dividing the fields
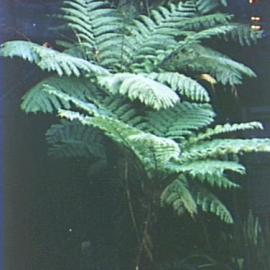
x=137 y=86
x=72 y=140
x=50 y=60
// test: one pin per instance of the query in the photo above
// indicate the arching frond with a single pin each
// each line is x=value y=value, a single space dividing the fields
x=184 y=85
x=224 y=129
x=207 y=167
x=138 y=87
x=224 y=70
x=220 y=147
x=38 y=100
x=181 y=120
x=50 y=60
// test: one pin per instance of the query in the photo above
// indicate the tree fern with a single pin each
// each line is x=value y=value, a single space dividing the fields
x=135 y=83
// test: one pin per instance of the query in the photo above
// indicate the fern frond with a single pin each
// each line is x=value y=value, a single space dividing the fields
x=217 y=31
x=50 y=60
x=154 y=151
x=157 y=31
x=72 y=139
x=151 y=150
x=217 y=180
x=224 y=129
x=38 y=100
x=207 y=6
x=98 y=28
x=178 y=195
x=181 y=120
x=138 y=87
x=207 y=167
x=205 y=22
x=221 y=147
x=224 y=70
x=184 y=85
x=88 y=107
x=244 y=35
x=208 y=202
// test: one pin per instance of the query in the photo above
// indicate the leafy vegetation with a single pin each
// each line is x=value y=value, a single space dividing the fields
x=144 y=86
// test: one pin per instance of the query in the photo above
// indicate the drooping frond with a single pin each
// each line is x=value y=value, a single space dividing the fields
x=223 y=69
x=182 y=197
x=88 y=107
x=244 y=35
x=178 y=195
x=208 y=171
x=217 y=180
x=224 y=129
x=38 y=100
x=138 y=87
x=72 y=139
x=208 y=202
x=181 y=120
x=50 y=60
x=186 y=86
x=220 y=147
x=152 y=151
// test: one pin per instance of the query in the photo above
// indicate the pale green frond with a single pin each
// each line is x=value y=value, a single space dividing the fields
x=88 y=107
x=50 y=60
x=224 y=129
x=220 y=148
x=186 y=86
x=204 y=167
x=138 y=87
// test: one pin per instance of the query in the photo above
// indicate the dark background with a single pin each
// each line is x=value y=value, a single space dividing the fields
x=47 y=216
